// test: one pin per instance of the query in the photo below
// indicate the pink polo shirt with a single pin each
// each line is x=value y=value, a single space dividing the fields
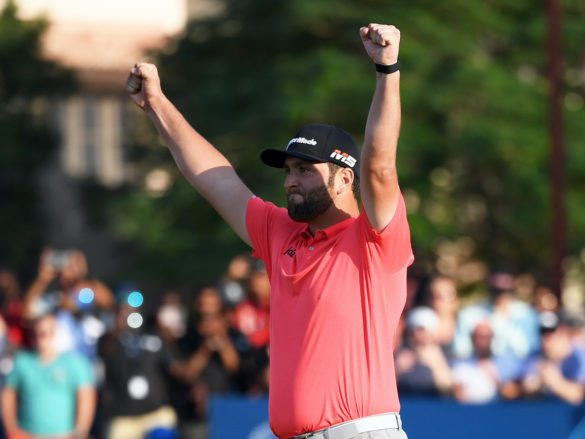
x=336 y=301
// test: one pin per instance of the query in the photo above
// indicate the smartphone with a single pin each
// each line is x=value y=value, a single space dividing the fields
x=60 y=258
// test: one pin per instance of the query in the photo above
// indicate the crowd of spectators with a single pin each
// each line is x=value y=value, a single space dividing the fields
x=79 y=359
x=497 y=348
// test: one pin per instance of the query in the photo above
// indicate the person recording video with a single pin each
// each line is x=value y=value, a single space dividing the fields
x=62 y=286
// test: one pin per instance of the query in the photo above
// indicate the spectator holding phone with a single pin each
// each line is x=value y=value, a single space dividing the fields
x=62 y=286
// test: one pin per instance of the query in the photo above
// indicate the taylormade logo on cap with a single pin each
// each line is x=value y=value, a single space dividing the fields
x=301 y=140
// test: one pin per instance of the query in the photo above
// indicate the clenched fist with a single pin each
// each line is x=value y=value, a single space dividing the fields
x=382 y=42
x=143 y=84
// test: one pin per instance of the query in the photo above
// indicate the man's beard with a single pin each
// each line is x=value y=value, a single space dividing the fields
x=315 y=202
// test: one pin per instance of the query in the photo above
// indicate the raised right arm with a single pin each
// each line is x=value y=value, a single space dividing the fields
x=45 y=275
x=203 y=165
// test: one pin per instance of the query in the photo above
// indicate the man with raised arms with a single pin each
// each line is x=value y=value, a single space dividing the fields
x=337 y=272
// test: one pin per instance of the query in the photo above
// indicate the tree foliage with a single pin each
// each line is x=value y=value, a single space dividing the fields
x=474 y=150
x=25 y=138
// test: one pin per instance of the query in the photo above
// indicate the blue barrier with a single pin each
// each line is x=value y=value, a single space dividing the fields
x=506 y=420
x=237 y=417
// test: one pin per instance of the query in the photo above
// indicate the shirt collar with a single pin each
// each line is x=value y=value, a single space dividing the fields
x=328 y=232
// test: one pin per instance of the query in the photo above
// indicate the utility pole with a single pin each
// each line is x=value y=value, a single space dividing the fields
x=556 y=143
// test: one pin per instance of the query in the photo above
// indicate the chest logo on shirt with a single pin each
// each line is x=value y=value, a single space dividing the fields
x=59 y=376
x=291 y=252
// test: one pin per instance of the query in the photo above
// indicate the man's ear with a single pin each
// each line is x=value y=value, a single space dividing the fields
x=346 y=177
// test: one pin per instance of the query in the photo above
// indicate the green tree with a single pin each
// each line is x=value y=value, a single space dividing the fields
x=26 y=82
x=473 y=156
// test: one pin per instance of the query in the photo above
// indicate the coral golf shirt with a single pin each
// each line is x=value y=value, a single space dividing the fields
x=335 y=304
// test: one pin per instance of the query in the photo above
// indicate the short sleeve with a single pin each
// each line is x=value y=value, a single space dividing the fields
x=389 y=248
x=14 y=377
x=262 y=219
x=574 y=366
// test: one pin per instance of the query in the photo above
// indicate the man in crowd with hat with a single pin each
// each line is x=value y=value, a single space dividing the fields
x=559 y=370
x=422 y=368
x=338 y=274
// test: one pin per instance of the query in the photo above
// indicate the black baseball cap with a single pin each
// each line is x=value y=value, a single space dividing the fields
x=318 y=143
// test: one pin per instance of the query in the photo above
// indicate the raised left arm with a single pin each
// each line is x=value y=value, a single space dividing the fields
x=379 y=180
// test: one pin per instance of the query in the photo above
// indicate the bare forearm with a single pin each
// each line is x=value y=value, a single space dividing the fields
x=103 y=295
x=383 y=124
x=379 y=181
x=570 y=391
x=86 y=404
x=203 y=165
x=442 y=376
x=36 y=290
x=192 y=152
x=229 y=357
x=197 y=363
x=9 y=411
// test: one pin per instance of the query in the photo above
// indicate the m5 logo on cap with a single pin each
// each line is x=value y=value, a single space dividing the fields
x=343 y=157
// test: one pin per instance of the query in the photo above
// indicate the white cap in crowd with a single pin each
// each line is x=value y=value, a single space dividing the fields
x=423 y=317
